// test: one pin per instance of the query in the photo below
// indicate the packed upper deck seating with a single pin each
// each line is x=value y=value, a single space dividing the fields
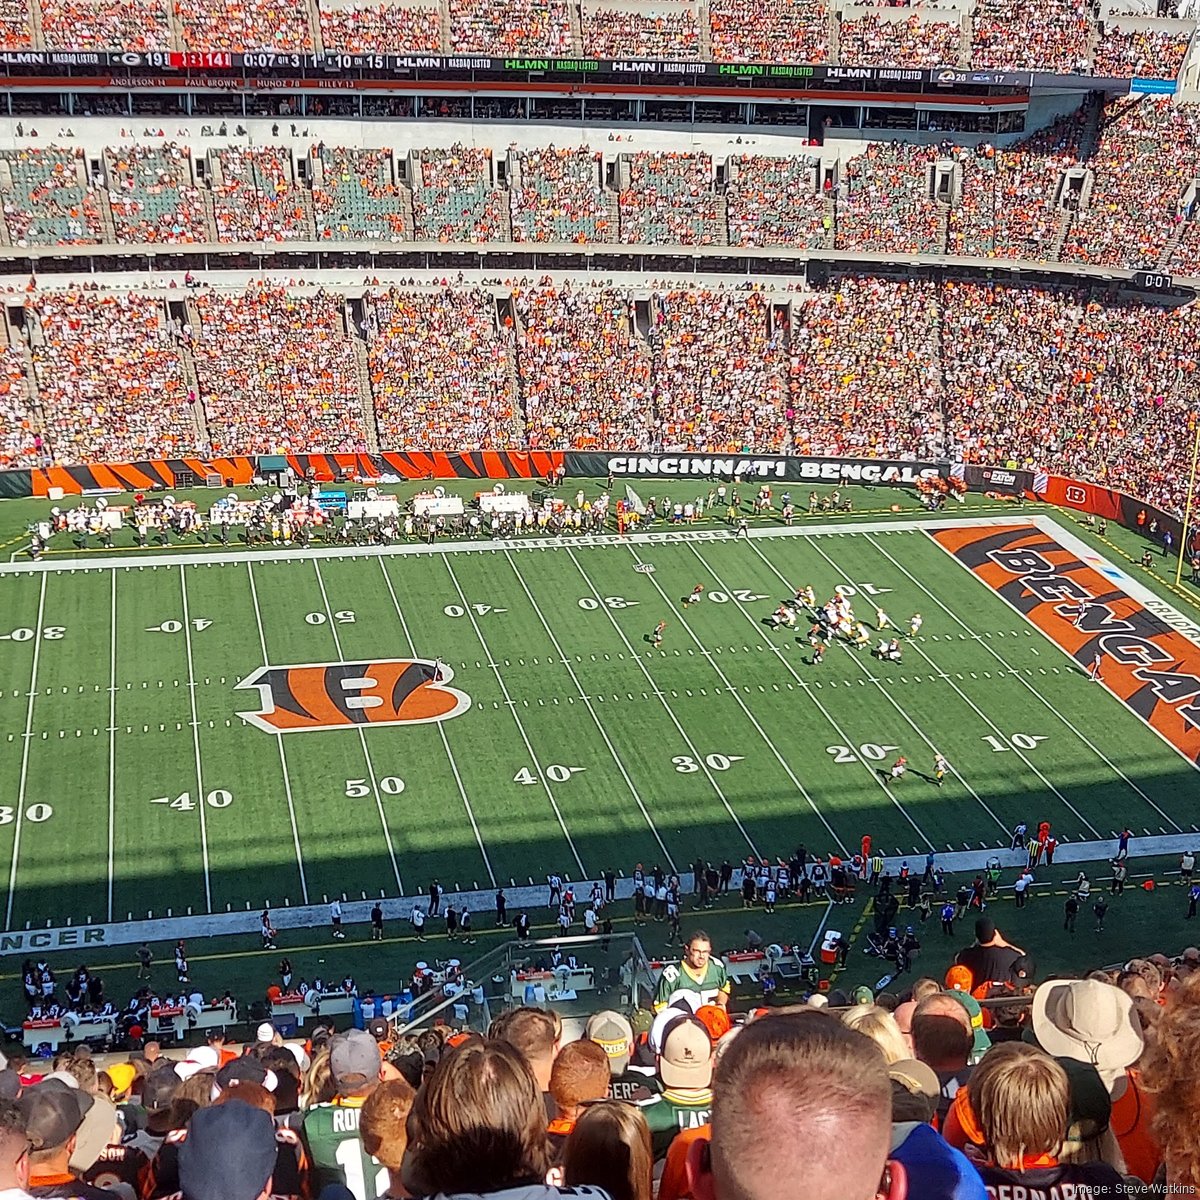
x=633 y=33
x=241 y=25
x=743 y=31
x=382 y=27
x=510 y=27
x=872 y=41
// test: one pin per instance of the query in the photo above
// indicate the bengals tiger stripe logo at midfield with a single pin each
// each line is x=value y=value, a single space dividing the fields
x=390 y=691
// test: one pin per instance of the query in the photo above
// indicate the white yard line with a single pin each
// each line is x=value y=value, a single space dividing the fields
x=753 y=719
x=201 y=801
x=1009 y=669
x=362 y=737
x=697 y=757
x=27 y=741
x=807 y=690
x=112 y=740
x=871 y=677
x=441 y=728
x=287 y=783
x=511 y=704
x=587 y=700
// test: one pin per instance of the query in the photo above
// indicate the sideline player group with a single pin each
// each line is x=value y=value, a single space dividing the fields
x=834 y=619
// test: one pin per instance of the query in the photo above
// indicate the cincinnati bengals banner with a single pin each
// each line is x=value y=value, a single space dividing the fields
x=869 y=471
x=1149 y=665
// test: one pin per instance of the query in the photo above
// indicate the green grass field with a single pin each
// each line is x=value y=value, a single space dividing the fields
x=131 y=785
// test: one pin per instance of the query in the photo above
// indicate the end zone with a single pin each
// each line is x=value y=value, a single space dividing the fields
x=1149 y=652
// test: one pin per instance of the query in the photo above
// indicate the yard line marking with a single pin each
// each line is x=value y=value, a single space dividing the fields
x=27 y=741
x=697 y=757
x=879 y=685
x=599 y=725
x=986 y=719
x=112 y=740
x=1031 y=689
x=362 y=737
x=887 y=791
x=520 y=727
x=200 y=799
x=287 y=783
x=441 y=728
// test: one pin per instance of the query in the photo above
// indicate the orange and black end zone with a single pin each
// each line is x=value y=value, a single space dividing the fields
x=1152 y=668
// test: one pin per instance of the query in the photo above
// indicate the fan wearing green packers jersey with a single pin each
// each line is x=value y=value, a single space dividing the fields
x=698 y=980
x=331 y=1130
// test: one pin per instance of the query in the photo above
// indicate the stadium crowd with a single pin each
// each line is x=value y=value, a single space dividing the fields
x=1075 y=380
x=875 y=41
x=989 y=1083
x=743 y=32
x=1066 y=36
x=277 y=371
x=383 y=28
x=441 y=367
x=1104 y=186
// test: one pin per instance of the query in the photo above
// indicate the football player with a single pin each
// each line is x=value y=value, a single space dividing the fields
x=914 y=625
x=940 y=767
x=897 y=769
x=697 y=592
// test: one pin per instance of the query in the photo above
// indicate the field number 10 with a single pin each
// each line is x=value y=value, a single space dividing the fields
x=1022 y=741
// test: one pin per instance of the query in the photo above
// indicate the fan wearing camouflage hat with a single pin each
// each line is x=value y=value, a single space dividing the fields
x=614 y=1035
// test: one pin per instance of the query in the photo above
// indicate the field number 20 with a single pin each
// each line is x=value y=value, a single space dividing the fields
x=868 y=751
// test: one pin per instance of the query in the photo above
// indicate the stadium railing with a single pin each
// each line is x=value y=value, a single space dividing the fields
x=506 y=977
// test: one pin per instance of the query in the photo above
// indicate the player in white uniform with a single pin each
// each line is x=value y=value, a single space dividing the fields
x=940 y=767
x=882 y=620
x=914 y=625
x=807 y=596
x=697 y=592
x=898 y=769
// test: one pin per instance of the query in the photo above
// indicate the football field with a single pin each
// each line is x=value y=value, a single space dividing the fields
x=219 y=733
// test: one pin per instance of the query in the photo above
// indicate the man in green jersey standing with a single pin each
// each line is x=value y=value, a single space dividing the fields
x=331 y=1130
x=698 y=980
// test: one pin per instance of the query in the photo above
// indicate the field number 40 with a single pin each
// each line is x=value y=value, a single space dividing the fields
x=555 y=772
x=1022 y=741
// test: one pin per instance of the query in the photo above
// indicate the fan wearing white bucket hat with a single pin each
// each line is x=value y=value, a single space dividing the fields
x=1094 y=1022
